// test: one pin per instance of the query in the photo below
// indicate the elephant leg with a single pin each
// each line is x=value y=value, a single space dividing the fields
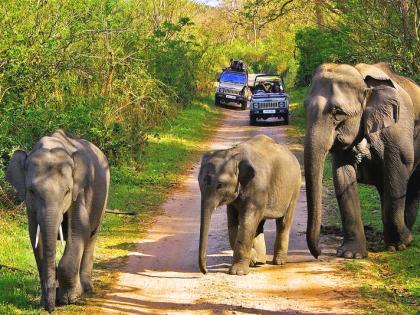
x=68 y=272
x=86 y=266
x=69 y=266
x=32 y=227
x=412 y=200
x=345 y=184
x=396 y=176
x=232 y=221
x=258 y=251
x=283 y=226
x=248 y=223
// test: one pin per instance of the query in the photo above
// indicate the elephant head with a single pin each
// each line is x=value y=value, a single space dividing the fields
x=48 y=181
x=222 y=173
x=345 y=105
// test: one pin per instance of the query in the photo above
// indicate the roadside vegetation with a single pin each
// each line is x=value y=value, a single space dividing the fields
x=130 y=75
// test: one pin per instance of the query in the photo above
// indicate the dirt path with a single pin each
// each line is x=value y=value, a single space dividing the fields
x=162 y=275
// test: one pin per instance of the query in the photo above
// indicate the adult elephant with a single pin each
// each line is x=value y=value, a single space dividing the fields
x=64 y=182
x=368 y=118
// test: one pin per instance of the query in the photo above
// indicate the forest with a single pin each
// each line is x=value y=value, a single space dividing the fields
x=137 y=79
x=113 y=71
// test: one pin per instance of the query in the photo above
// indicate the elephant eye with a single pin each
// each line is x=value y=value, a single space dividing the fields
x=338 y=115
x=337 y=112
x=220 y=185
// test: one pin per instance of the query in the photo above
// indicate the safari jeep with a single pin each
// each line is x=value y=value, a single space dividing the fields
x=268 y=99
x=233 y=85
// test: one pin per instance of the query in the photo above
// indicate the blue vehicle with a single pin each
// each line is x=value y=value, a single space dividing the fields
x=268 y=99
x=233 y=85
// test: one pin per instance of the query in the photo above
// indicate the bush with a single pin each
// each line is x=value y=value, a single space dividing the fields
x=99 y=69
x=318 y=46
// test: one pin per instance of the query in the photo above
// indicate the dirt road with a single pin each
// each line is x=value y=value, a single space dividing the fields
x=162 y=275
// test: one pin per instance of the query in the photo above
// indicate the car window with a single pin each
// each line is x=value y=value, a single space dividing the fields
x=233 y=77
x=263 y=79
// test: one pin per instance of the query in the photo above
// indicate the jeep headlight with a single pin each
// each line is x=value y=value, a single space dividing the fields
x=255 y=105
x=220 y=90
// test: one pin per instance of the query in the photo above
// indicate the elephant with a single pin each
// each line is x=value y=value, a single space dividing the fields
x=64 y=182
x=257 y=179
x=368 y=119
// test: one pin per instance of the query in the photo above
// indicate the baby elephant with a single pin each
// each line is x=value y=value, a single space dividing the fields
x=64 y=182
x=258 y=179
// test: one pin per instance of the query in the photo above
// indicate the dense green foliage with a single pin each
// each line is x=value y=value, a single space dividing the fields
x=382 y=30
x=102 y=69
x=319 y=46
x=112 y=70
x=356 y=31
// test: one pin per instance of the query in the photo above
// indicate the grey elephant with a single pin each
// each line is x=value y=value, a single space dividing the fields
x=257 y=179
x=64 y=182
x=368 y=118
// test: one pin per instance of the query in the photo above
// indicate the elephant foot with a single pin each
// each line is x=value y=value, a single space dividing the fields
x=404 y=240
x=352 y=249
x=69 y=295
x=258 y=253
x=256 y=259
x=239 y=269
x=87 y=285
x=280 y=259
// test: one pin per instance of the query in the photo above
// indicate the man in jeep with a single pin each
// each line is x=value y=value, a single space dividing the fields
x=268 y=99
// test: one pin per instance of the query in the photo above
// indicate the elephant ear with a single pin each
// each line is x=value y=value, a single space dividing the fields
x=206 y=168
x=80 y=172
x=374 y=76
x=246 y=172
x=382 y=108
x=15 y=174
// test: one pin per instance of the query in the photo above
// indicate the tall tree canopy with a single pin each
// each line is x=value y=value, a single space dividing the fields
x=113 y=70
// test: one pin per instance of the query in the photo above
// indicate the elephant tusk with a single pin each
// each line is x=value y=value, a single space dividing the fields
x=60 y=232
x=38 y=232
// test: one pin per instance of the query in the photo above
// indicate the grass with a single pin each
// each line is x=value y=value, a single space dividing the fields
x=390 y=282
x=141 y=188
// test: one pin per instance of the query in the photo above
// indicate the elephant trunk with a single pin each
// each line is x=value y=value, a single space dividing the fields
x=206 y=212
x=49 y=228
x=314 y=157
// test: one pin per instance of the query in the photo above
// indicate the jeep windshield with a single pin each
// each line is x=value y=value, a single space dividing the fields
x=233 y=77
x=267 y=79
x=268 y=84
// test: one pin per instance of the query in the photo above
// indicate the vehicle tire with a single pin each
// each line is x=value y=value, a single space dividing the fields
x=286 y=119
x=252 y=121
x=216 y=101
x=244 y=104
